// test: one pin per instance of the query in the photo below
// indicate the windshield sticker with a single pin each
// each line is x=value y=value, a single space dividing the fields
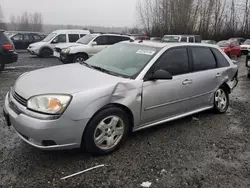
x=145 y=52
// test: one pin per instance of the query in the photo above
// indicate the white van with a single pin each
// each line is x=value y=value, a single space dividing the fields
x=46 y=47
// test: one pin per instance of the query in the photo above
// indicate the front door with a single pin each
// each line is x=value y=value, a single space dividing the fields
x=17 y=40
x=166 y=98
x=101 y=44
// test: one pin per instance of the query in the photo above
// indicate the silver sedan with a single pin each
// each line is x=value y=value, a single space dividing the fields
x=126 y=87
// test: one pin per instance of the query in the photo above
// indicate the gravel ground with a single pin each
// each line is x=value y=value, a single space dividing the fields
x=203 y=151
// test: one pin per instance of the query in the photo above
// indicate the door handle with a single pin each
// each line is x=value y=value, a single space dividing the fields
x=186 y=82
x=218 y=75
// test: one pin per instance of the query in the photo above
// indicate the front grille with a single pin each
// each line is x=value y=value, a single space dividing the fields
x=20 y=99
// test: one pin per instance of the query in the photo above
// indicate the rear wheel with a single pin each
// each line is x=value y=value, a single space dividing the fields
x=106 y=131
x=45 y=52
x=80 y=58
x=221 y=100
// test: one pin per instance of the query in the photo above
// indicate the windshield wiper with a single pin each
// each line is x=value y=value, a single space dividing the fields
x=104 y=70
x=86 y=64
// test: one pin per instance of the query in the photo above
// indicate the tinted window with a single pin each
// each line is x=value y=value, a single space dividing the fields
x=61 y=38
x=26 y=37
x=4 y=39
x=221 y=60
x=197 y=39
x=73 y=37
x=101 y=40
x=112 y=39
x=175 y=61
x=191 y=39
x=183 y=39
x=82 y=35
x=17 y=37
x=203 y=59
x=37 y=37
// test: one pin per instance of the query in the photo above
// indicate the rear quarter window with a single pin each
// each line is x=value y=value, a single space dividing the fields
x=221 y=60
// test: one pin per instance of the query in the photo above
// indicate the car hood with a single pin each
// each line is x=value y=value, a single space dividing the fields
x=64 y=79
x=67 y=45
x=38 y=44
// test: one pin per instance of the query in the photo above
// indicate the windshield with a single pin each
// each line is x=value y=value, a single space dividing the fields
x=247 y=41
x=125 y=60
x=223 y=43
x=169 y=38
x=86 y=39
x=49 y=37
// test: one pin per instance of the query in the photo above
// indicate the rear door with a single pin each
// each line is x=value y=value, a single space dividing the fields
x=205 y=78
x=17 y=40
x=27 y=40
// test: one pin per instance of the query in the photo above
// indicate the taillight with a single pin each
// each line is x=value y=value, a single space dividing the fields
x=8 y=47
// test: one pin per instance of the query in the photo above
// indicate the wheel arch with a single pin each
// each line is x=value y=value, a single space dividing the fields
x=121 y=106
x=81 y=53
x=226 y=86
x=45 y=47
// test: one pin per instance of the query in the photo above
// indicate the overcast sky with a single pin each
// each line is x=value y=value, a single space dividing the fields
x=76 y=12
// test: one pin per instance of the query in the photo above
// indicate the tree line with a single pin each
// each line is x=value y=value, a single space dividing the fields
x=212 y=19
x=24 y=22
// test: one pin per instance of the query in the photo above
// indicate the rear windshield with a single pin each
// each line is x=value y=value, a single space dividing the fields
x=4 y=39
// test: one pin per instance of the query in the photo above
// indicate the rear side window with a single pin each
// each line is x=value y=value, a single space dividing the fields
x=203 y=59
x=191 y=39
x=221 y=60
x=183 y=39
x=26 y=37
x=73 y=37
x=37 y=37
x=175 y=61
x=197 y=39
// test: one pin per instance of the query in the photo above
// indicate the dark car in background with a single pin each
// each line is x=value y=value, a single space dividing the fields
x=7 y=51
x=22 y=40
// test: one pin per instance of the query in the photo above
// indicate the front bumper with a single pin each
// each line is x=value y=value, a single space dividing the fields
x=46 y=134
x=66 y=58
x=33 y=51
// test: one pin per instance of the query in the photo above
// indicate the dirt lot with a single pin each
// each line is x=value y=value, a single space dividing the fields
x=203 y=151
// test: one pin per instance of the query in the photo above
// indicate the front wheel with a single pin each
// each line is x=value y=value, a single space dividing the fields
x=106 y=131
x=46 y=52
x=221 y=100
x=80 y=58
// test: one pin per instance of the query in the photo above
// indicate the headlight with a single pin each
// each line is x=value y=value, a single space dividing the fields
x=66 y=50
x=49 y=104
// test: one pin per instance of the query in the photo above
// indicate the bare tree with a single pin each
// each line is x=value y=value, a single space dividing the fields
x=36 y=21
x=2 y=22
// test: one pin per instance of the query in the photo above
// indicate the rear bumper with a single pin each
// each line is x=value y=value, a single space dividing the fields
x=10 y=57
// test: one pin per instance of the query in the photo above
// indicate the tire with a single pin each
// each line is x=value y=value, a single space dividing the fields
x=80 y=58
x=45 y=52
x=100 y=129
x=2 y=64
x=221 y=100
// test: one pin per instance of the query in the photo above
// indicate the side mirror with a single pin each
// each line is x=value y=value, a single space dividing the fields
x=94 y=43
x=161 y=75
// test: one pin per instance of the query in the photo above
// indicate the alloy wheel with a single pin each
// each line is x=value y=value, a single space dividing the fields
x=221 y=99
